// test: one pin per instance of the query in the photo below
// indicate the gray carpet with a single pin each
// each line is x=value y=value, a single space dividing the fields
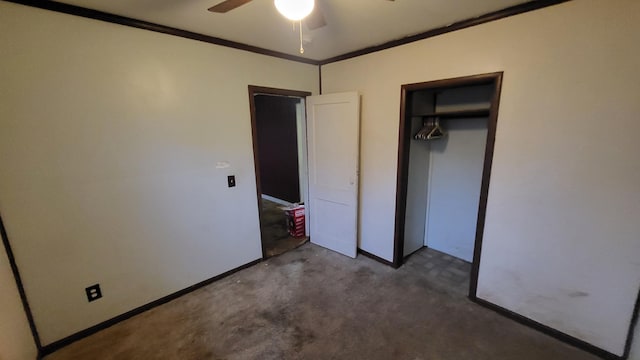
x=441 y=269
x=311 y=303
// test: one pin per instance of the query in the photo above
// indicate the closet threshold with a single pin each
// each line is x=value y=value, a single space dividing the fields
x=457 y=114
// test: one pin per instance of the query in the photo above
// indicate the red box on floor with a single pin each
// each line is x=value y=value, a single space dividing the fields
x=295 y=220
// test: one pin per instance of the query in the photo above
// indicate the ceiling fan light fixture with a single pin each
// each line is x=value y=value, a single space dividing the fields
x=294 y=10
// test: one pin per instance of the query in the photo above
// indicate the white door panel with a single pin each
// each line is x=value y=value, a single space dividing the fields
x=333 y=125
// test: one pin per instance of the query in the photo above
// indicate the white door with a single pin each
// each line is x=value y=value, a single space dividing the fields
x=333 y=139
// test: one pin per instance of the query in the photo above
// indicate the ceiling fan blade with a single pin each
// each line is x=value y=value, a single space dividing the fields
x=227 y=5
x=315 y=20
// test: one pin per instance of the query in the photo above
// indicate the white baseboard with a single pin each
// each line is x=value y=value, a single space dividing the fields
x=276 y=200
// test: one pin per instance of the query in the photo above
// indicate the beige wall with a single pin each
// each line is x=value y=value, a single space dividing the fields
x=108 y=148
x=16 y=342
x=561 y=239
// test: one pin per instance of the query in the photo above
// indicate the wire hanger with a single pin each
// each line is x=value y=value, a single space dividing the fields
x=431 y=130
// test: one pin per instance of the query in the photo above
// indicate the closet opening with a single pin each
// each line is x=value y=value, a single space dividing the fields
x=446 y=140
x=278 y=126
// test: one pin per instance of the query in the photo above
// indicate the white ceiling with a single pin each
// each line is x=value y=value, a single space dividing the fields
x=351 y=24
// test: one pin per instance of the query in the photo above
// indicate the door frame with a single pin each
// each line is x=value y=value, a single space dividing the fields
x=404 y=142
x=262 y=90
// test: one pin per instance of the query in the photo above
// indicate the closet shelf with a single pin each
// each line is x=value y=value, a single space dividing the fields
x=457 y=114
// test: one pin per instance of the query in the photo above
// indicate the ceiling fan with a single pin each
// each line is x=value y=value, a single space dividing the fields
x=295 y=10
x=313 y=21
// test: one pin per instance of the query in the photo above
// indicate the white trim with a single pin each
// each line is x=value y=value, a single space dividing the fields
x=276 y=200
x=301 y=128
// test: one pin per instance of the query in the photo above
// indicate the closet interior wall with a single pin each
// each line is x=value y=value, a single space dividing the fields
x=445 y=174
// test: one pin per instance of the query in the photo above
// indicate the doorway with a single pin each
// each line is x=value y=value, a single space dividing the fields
x=278 y=127
x=446 y=140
